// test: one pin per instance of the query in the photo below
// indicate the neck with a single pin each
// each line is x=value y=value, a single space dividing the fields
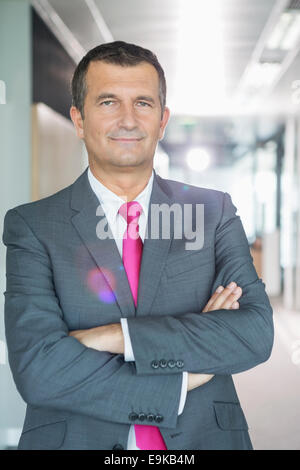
x=126 y=185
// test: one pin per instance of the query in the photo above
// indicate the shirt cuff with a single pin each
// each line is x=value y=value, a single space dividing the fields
x=183 y=392
x=128 y=352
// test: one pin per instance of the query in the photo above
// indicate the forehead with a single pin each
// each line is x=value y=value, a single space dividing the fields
x=141 y=77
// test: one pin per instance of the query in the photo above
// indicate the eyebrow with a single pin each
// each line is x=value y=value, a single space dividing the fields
x=104 y=96
x=145 y=98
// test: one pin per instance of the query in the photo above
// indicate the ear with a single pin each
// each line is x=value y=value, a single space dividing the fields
x=77 y=121
x=164 y=122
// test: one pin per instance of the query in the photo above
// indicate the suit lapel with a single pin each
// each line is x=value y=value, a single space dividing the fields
x=104 y=252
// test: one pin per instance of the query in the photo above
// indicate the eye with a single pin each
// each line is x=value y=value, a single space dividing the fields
x=106 y=103
x=143 y=104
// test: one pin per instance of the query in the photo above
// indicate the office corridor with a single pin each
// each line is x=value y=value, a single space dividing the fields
x=270 y=392
x=228 y=88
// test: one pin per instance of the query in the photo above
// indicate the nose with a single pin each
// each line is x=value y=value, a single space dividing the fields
x=127 y=116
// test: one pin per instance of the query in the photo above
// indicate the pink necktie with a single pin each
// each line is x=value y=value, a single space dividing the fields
x=147 y=437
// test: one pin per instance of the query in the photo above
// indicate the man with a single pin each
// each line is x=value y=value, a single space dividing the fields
x=118 y=339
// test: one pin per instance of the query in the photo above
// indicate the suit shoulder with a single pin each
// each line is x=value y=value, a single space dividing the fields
x=55 y=202
x=189 y=190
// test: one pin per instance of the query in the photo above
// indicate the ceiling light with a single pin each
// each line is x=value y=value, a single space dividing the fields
x=279 y=31
x=292 y=35
x=198 y=159
x=287 y=31
x=261 y=75
x=200 y=80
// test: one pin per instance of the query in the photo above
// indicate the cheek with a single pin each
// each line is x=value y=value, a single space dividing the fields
x=158 y=133
x=94 y=129
x=152 y=129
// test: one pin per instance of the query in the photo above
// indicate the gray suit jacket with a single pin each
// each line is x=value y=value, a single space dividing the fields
x=62 y=277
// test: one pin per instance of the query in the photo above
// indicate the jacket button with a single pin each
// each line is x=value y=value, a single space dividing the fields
x=118 y=447
x=133 y=416
x=155 y=364
x=159 y=418
x=150 y=417
x=171 y=363
x=179 y=363
x=163 y=363
x=141 y=416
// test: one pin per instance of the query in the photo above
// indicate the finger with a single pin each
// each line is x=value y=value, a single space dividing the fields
x=233 y=297
x=219 y=301
x=223 y=298
x=213 y=298
x=235 y=305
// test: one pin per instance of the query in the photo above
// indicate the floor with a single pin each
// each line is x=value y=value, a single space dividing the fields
x=270 y=393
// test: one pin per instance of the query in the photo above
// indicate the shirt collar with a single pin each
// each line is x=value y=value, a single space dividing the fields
x=112 y=203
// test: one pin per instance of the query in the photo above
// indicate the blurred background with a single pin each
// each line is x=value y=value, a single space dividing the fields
x=233 y=76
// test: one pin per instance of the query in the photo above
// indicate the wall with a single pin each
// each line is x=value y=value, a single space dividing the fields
x=15 y=161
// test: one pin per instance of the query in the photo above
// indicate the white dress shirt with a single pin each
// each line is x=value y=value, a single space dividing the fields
x=111 y=204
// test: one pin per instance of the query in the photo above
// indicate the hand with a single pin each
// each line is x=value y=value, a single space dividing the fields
x=222 y=298
x=196 y=380
x=102 y=338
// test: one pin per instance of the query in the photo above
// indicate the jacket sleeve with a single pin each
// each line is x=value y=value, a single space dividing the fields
x=218 y=342
x=51 y=368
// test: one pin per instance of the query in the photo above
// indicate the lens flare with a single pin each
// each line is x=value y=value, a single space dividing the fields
x=97 y=283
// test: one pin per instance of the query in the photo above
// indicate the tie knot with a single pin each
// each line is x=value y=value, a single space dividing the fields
x=131 y=211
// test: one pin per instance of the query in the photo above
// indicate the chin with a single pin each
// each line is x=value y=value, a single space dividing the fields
x=127 y=161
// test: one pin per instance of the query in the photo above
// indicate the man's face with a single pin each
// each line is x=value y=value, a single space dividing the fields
x=122 y=115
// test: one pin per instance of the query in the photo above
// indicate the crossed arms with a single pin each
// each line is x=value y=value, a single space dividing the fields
x=110 y=337
x=53 y=369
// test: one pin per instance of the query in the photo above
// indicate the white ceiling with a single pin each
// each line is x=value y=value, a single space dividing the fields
x=154 y=24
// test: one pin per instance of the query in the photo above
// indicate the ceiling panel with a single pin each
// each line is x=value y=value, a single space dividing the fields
x=78 y=18
x=154 y=24
x=243 y=22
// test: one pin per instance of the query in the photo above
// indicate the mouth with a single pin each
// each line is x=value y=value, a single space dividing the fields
x=125 y=140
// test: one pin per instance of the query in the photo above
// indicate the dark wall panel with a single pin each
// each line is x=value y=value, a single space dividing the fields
x=52 y=69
